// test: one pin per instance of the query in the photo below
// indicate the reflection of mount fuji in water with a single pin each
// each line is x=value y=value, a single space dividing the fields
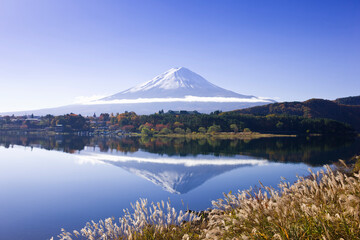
x=189 y=163
x=175 y=175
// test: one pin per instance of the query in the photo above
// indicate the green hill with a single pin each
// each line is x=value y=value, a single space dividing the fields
x=313 y=108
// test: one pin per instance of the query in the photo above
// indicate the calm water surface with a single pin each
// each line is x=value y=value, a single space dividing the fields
x=47 y=183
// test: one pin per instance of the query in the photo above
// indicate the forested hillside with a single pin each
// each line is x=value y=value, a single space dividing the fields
x=313 y=108
x=348 y=100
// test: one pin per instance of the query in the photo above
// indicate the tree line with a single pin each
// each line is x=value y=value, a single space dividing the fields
x=180 y=123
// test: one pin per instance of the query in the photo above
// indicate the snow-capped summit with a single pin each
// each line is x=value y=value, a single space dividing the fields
x=172 y=79
x=176 y=82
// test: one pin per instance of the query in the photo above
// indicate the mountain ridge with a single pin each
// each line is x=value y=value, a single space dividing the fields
x=312 y=108
x=352 y=100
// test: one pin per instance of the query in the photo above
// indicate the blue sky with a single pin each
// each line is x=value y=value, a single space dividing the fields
x=54 y=52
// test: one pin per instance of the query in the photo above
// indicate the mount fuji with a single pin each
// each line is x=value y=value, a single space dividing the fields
x=176 y=89
x=176 y=83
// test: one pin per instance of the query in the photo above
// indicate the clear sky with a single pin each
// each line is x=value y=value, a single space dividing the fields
x=56 y=52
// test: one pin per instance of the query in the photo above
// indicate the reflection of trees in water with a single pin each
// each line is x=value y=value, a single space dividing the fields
x=313 y=150
x=69 y=144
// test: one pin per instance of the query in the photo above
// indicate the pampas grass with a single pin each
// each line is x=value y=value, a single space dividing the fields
x=324 y=205
x=143 y=222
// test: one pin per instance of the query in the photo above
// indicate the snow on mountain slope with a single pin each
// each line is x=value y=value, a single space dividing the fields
x=175 y=83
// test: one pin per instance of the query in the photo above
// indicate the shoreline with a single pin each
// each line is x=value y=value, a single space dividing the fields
x=222 y=135
x=194 y=135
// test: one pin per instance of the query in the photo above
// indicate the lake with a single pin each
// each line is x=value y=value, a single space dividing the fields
x=53 y=182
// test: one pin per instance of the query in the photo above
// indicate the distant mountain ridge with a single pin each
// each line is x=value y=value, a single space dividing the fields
x=313 y=108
